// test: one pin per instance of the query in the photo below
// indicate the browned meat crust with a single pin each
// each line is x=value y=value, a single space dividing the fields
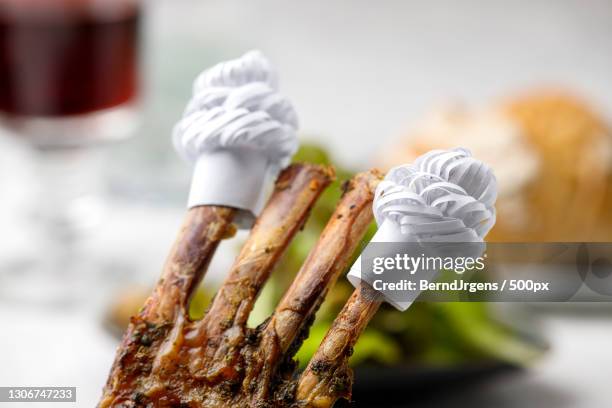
x=166 y=360
x=328 y=376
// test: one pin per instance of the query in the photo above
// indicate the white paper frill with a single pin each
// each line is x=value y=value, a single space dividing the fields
x=444 y=196
x=239 y=132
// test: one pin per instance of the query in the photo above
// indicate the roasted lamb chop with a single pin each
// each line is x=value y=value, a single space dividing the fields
x=167 y=360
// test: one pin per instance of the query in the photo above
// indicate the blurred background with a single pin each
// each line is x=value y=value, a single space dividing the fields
x=92 y=193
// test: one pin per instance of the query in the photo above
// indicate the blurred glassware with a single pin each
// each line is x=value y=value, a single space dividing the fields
x=68 y=83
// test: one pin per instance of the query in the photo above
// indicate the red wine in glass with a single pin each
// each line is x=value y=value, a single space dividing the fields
x=66 y=59
x=68 y=80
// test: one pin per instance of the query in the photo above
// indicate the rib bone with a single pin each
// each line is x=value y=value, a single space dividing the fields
x=202 y=230
x=167 y=360
x=151 y=367
x=225 y=323
x=328 y=376
x=283 y=334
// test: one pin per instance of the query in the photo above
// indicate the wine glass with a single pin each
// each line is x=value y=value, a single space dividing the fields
x=68 y=85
